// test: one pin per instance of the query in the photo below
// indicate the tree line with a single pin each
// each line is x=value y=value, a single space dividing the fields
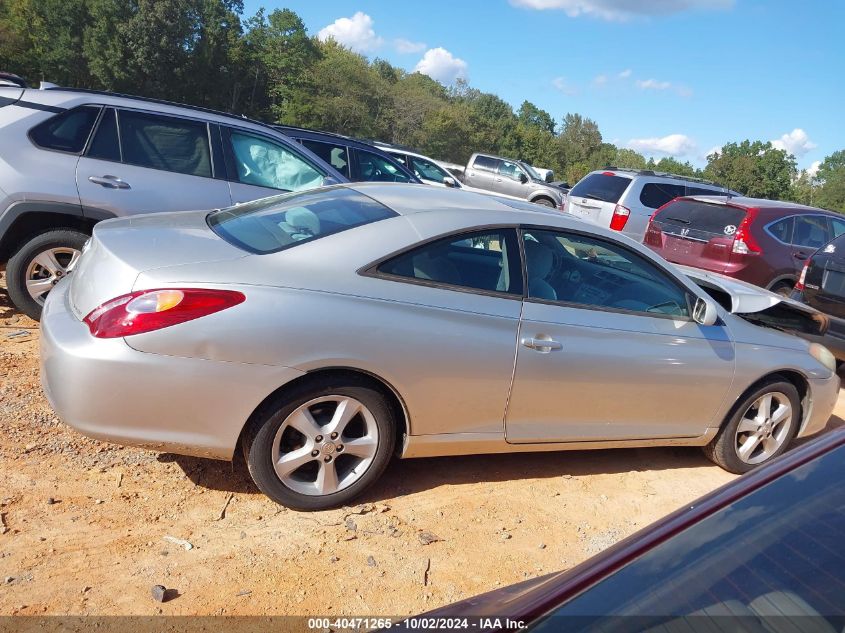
x=267 y=66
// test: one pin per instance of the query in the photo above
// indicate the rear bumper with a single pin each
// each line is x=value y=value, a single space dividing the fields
x=823 y=394
x=109 y=391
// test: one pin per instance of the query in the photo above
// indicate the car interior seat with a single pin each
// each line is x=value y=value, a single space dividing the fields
x=539 y=260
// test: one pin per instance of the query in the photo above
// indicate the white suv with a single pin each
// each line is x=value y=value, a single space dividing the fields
x=624 y=199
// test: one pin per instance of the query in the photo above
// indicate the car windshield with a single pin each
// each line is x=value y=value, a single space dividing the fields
x=273 y=224
x=531 y=171
x=606 y=187
x=774 y=551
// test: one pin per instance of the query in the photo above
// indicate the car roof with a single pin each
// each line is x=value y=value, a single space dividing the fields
x=743 y=202
x=650 y=173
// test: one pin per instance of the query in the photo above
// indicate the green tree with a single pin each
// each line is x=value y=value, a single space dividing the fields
x=531 y=115
x=580 y=148
x=831 y=175
x=671 y=165
x=628 y=158
x=754 y=168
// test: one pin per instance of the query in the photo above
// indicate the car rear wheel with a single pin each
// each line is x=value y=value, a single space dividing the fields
x=39 y=265
x=761 y=427
x=319 y=446
x=783 y=288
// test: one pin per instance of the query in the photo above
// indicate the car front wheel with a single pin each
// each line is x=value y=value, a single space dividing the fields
x=39 y=265
x=761 y=428
x=318 y=447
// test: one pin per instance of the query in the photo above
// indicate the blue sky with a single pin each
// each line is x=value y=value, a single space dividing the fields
x=666 y=77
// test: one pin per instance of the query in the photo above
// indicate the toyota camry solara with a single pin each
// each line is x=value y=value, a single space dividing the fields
x=321 y=333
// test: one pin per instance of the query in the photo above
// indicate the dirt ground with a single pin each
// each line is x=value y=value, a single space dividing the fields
x=85 y=525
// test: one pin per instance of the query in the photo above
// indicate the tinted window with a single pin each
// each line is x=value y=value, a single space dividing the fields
x=335 y=155
x=777 y=550
x=782 y=230
x=66 y=132
x=105 y=145
x=656 y=194
x=601 y=187
x=167 y=143
x=810 y=231
x=259 y=161
x=701 y=191
x=482 y=261
x=273 y=224
x=702 y=217
x=372 y=167
x=427 y=170
x=486 y=163
x=594 y=273
x=838 y=226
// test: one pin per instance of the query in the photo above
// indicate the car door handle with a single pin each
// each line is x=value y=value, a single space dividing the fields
x=801 y=255
x=110 y=182
x=541 y=344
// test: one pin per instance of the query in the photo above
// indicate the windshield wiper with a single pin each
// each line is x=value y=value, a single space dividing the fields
x=591 y=197
x=681 y=220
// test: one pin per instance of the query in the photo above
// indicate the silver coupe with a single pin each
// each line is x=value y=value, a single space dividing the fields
x=322 y=333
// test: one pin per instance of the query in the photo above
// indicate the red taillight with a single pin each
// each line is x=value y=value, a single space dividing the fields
x=744 y=242
x=620 y=217
x=800 y=284
x=148 y=310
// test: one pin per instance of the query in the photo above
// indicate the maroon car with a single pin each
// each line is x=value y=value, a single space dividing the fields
x=763 y=242
x=761 y=554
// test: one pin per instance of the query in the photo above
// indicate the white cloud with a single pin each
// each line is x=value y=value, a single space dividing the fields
x=624 y=74
x=622 y=9
x=407 y=46
x=564 y=86
x=671 y=145
x=356 y=33
x=440 y=64
x=653 y=84
x=795 y=142
x=600 y=80
x=813 y=169
x=716 y=149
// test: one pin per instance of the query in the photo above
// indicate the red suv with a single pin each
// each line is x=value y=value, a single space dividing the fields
x=763 y=242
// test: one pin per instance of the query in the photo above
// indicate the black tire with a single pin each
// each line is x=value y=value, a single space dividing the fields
x=783 y=288
x=260 y=436
x=722 y=450
x=16 y=270
x=544 y=202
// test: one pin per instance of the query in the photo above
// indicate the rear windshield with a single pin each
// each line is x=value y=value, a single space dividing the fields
x=273 y=224
x=601 y=187
x=701 y=216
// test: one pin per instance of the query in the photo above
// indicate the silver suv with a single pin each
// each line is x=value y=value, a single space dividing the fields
x=624 y=199
x=71 y=158
x=511 y=178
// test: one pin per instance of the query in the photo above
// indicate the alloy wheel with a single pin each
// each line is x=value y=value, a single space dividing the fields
x=47 y=269
x=764 y=428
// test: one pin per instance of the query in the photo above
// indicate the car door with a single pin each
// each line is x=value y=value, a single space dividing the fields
x=450 y=314
x=481 y=172
x=334 y=154
x=141 y=162
x=258 y=165
x=810 y=232
x=371 y=167
x=507 y=180
x=607 y=349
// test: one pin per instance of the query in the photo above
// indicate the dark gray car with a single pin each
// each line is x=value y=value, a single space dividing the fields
x=511 y=178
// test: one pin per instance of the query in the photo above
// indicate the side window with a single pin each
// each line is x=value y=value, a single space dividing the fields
x=700 y=191
x=427 y=170
x=487 y=260
x=335 y=155
x=838 y=226
x=810 y=231
x=486 y=163
x=262 y=162
x=105 y=144
x=594 y=273
x=509 y=170
x=372 y=167
x=782 y=230
x=655 y=194
x=167 y=143
x=66 y=132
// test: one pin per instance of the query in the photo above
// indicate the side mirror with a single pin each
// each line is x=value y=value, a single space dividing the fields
x=330 y=180
x=450 y=182
x=522 y=177
x=704 y=312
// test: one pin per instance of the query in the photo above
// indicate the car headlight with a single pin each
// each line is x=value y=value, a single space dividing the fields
x=823 y=355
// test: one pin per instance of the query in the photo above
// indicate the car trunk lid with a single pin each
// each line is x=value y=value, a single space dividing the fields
x=595 y=197
x=122 y=249
x=696 y=233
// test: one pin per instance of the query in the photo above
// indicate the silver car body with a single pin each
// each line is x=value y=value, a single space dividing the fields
x=639 y=192
x=509 y=177
x=453 y=358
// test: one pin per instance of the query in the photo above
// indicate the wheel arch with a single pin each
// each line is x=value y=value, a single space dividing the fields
x=544 y=196
x=23 y=221
x=781 y=278
x=796 y=378
x=396 y=402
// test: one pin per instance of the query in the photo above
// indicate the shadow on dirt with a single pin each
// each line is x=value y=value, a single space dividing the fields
x=410 y=476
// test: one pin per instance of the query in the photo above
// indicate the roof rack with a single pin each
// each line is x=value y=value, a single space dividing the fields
x=283 y=126
x=106 y=93
x=663 y=174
